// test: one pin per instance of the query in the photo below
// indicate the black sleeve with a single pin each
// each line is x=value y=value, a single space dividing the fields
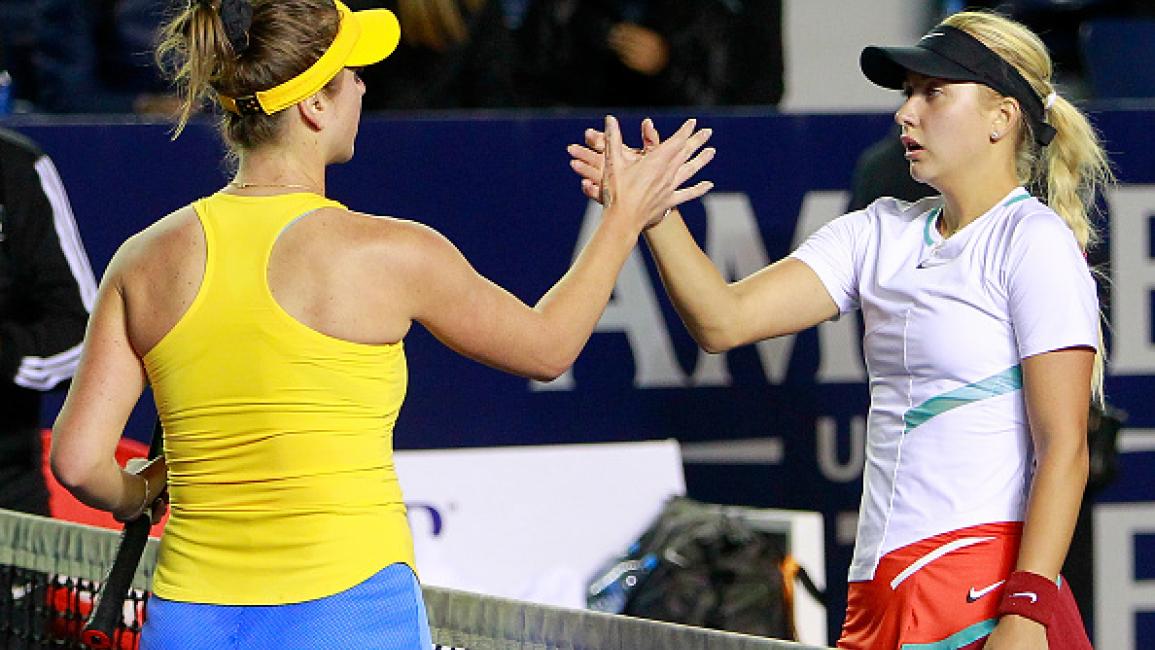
x=46 y=283
x=489 y=73
x=67 y=62
x=721 y=53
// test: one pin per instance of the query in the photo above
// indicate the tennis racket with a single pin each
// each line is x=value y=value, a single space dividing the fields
x=107 y=611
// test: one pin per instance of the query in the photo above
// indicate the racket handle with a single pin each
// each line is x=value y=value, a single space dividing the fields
x=107 y=611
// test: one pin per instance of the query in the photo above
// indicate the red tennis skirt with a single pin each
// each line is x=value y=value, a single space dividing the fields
x=943 y=592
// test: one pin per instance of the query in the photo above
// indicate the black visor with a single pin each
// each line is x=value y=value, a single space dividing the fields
x=952 y=54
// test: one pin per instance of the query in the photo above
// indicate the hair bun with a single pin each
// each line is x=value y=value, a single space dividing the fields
x=237 y=17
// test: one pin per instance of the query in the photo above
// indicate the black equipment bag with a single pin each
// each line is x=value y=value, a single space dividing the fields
x=704 y=565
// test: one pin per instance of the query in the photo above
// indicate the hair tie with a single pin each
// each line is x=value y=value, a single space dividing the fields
x=1049 y=101
x=237 y=17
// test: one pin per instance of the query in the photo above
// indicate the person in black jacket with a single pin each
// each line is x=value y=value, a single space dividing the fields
x=453 y=54
x=46 y=291
x=651 y=53
x=94 y=57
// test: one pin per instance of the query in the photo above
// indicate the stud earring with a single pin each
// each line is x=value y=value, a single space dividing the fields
x=995 y=135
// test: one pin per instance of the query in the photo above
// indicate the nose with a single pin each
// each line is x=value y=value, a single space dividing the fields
x=904 y=116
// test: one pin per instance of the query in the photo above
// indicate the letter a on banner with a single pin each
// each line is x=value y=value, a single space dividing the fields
x=734 y=243
x=633 y=310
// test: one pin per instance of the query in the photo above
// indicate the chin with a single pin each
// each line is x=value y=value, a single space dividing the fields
x=920 y=175
x=343 y=157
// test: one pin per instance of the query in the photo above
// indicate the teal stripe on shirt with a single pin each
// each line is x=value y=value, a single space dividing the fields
x=935 y=212
x=1006 y=381
x=1022 y=197
x=926 y=228
x=959 y=639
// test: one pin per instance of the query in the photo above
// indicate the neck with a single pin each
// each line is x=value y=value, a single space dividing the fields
x=275 y=169
x=968 y=199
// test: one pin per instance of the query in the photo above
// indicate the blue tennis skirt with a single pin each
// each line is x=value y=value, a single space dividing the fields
x=386 y=612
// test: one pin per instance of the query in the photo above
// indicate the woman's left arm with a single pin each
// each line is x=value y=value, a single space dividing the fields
x=1057 y=390
x=107 y=385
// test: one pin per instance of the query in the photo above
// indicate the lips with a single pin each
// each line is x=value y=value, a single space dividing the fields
x=912 y=146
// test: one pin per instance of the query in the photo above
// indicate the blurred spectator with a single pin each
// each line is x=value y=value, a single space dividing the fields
x=651 y=53
x=453 y=54
x=46 y=291
x=94 y=56
x=17 y=44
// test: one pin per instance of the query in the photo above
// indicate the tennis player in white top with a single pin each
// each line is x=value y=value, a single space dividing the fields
x=981 y=339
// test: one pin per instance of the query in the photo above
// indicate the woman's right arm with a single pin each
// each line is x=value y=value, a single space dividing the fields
x=782 y=298
x=481 y=320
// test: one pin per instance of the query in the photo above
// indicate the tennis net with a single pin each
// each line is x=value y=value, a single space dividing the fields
x=49 y=571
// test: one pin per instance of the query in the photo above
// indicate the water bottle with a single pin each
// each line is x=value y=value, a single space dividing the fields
x=610 y=592
x=5 y=92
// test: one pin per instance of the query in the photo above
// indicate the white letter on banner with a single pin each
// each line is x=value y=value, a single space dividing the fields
x=734 y=244
x=634 y=310
x=1118 y=595
x=827 y=432
x=1132 y=209
x=840 y=359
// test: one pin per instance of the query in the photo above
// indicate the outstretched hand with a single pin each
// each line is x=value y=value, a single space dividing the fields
x=649 y=179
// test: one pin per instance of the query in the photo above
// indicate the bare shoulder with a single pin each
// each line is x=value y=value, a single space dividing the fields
x=173 y=239
x=397 y=241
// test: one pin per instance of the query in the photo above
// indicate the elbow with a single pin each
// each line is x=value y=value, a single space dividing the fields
x=1072 y=459
x=72 y=471
x=548 y=370
x=1082 y=463
x=714 y=340
x=549 y=362
x=713 y=345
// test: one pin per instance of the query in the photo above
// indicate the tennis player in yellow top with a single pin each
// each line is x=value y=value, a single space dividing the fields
x=269 y=321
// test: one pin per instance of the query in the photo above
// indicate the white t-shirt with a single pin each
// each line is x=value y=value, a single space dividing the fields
x=947 y=323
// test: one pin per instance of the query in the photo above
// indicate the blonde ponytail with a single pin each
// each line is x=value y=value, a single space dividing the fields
x=1073 y=170
x=1070 y=171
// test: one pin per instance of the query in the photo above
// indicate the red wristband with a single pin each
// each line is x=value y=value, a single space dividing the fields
x=1030 y=595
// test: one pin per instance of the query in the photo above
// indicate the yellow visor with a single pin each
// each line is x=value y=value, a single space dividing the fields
x=363 y=38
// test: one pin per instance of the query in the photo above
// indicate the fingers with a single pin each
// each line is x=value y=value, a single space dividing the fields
x=650 y=137
x=612 y=160
x=613 y=157
x=696 y=141
x=586 y=170
x=592 y=190
x=596 y=140
x=586 y=157
x=690 y=168
x=695 y=191
x=677 y=142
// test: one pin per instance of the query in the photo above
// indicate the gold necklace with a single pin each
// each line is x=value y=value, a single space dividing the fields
x=240 y=185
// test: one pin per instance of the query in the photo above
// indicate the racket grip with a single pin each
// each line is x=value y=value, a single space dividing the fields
x=107 y=611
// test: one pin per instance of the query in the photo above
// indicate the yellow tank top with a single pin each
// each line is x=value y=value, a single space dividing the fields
x=279 y=439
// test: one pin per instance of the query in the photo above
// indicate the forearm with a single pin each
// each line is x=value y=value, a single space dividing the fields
x=1053 y=508
x=105 y=486
x=702 y=297
x=572 y=307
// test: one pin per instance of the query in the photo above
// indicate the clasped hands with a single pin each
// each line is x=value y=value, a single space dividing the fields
x=606 y=165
